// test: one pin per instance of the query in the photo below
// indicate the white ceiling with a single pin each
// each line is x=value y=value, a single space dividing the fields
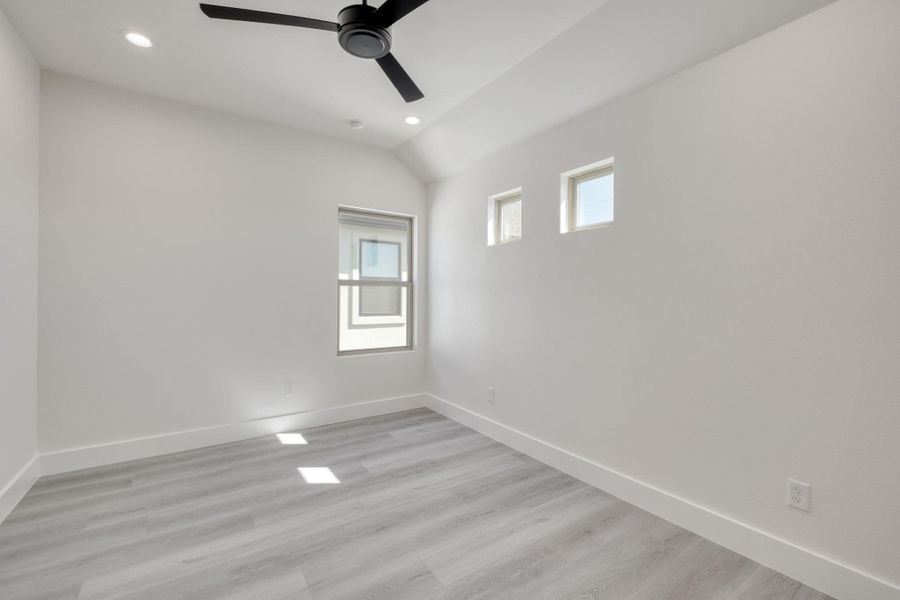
x=297 y=77
x=493 y=71
x=620 y=47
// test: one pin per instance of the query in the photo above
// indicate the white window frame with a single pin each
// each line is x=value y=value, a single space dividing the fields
x=408 y=285
x=568 y=207
x=495 y=207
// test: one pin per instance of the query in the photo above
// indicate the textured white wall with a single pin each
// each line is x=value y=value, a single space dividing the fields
x=19 y=126
x=189 y=267
x=739 y=322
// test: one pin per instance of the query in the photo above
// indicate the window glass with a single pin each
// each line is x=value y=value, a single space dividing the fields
x=381 y=301
x=594 y=200
x=379 y=260
x=510 y=219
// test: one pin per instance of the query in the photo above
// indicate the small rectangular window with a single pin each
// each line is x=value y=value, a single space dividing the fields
x=505 y=217
x=375 y=289
x=587 y=197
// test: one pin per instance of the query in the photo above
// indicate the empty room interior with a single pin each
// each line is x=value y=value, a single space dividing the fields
x=450 y=300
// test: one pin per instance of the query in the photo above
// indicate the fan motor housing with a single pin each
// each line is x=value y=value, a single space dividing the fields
x=360 y=34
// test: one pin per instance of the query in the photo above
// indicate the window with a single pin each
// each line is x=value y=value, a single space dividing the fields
x=505 y=217
x=587 y=197
x=375 y=290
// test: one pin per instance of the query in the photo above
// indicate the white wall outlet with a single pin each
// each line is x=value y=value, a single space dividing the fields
x=289 y=388
x=798 y=495
x=490 y=396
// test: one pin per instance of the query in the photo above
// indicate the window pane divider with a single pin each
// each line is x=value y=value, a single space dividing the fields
x=373 y=283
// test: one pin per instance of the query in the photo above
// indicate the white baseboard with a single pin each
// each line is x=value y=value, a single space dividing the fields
x=822 y=573
x=16 y=488
x=73 y=459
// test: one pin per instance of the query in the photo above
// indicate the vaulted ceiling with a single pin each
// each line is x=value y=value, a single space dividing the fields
x=493 y=71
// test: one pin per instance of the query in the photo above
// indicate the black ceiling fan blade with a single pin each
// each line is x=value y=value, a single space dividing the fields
x=399 y=77
x=214 y=11
x=393 y=10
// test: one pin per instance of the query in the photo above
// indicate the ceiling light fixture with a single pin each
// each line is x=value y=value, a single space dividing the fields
x=363 y=31
x=138 y=39
x=412 y=120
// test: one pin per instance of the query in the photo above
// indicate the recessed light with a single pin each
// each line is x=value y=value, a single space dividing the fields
x=355 y=124
x=138 y=39
x=412 y=120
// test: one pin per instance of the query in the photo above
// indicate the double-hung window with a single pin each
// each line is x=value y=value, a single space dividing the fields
x=375 y=288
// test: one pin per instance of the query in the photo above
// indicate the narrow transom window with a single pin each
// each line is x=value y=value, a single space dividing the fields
x=588 y=197
x=505 y=217
x=375 y=289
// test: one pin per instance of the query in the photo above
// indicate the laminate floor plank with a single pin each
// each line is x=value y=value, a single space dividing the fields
x=424 y=509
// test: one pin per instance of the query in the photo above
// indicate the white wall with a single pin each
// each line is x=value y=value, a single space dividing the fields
x=739 y=322
x=189 y=267
x=19 y=127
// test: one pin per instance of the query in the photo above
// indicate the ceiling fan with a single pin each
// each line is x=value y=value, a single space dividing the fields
x=363 y=31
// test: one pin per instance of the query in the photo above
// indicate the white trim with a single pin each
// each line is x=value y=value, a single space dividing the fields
x=63 y=461
x=16 y=488
x=820 y=572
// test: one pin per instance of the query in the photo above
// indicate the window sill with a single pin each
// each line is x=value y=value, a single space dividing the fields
x=352 y=353
x=589 y=227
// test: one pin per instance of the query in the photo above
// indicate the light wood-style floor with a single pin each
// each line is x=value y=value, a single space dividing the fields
x=426 y=509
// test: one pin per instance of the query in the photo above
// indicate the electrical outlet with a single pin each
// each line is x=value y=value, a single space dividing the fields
x=490 y=396
x=289 y=388
x=798 y=495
